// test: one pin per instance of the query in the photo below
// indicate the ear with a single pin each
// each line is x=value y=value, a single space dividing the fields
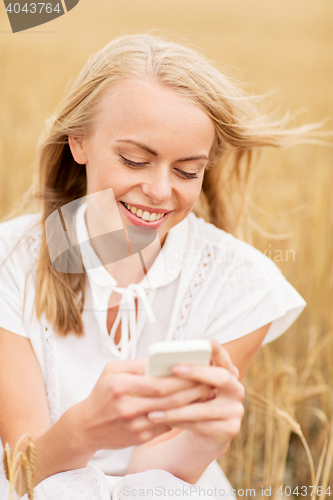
x=77 y=149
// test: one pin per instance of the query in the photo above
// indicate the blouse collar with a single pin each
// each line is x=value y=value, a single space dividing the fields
x=165 y=269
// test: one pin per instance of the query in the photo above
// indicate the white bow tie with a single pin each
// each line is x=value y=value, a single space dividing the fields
x=102 y=285
x=127 y=316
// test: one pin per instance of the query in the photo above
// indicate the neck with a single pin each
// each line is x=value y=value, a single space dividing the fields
x=129 y=269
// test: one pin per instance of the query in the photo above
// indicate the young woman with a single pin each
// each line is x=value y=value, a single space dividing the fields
x=151 y=135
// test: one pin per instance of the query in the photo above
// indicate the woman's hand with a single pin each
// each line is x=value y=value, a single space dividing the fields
x=115 y=413
x=211 y=424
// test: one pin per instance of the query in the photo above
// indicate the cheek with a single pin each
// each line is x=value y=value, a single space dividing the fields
x=191 y=194
x=105 y=175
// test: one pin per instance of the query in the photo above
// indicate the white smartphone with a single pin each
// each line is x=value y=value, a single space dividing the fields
x=163 y=355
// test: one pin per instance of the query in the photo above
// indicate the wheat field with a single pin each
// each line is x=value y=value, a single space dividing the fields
x=284 y=47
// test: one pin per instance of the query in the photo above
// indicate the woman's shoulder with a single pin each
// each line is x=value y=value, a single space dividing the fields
x=228 y=251
x=20 y=235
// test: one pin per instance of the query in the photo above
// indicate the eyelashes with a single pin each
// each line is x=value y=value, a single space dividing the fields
x=134 y=164
x=187 y=174
x=131 y=163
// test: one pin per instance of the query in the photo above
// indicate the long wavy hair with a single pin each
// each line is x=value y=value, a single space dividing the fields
x=241 y=129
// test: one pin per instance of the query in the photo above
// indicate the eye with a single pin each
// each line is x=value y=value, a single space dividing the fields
x=187 y=174
x=131 y=163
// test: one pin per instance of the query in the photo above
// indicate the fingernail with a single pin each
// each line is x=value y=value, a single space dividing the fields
x=156 y=415
x=181 y=369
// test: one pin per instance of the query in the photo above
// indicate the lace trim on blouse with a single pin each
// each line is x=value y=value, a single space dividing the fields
x=50 y=368
x=33 y=242
x=192 y=292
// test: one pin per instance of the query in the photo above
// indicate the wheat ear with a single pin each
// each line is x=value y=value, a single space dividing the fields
x=6 y=460
x=20 y=464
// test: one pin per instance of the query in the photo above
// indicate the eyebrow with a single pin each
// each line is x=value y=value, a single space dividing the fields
x=151 y=151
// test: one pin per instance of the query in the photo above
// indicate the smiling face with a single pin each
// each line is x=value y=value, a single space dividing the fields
x=150 y=145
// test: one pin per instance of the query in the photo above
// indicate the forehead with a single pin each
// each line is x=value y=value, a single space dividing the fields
x=154 y=112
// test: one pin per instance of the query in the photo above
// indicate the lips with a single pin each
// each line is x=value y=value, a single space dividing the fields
x=137 y=221
x=144 y=214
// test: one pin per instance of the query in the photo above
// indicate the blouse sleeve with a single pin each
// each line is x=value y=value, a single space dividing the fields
x=256 y=295
x=280 y=306
x=12 y=282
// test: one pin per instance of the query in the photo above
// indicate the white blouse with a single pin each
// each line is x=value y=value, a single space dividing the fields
x=206 y=284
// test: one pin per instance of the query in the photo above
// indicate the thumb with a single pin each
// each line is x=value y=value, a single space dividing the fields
x=221 y=357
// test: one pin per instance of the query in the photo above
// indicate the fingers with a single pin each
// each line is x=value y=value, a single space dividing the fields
x=218 y=409
x=215 y=376
x=215 y=428
x=227 y=404
x=221 y=357
x=129 y=407
x=129 y=383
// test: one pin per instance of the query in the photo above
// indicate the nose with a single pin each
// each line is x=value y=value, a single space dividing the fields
x=158 y=187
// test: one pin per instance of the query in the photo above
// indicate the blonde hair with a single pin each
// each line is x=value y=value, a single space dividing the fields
x=241 y=129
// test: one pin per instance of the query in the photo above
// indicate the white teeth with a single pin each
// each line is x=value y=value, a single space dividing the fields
x=147 y=216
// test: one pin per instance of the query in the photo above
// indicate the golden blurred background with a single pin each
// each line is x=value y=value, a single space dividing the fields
x=284 y=47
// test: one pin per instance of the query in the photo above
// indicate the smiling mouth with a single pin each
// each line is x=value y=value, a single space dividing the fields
x=143 y=215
